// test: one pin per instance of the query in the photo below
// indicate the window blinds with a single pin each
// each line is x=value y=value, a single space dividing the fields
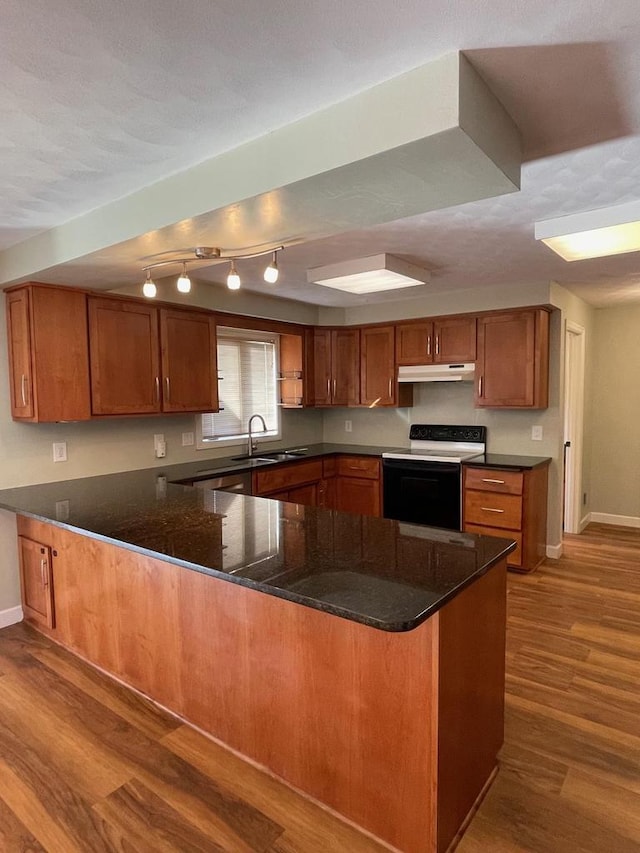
x=248 y=372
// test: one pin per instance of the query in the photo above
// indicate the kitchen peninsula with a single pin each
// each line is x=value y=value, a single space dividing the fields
x=360 y=659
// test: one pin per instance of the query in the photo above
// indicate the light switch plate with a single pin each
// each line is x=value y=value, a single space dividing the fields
x=59 y=451
x=536 y=433
x=188 y=439
x=62 y=510
x=348 y=426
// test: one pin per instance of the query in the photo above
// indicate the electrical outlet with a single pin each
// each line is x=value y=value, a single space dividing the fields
x=159 y=446
x=59 y=451
x=536 y=433
x=158 y=439
x=62 y=510
x=348 y=426
x=188 y=439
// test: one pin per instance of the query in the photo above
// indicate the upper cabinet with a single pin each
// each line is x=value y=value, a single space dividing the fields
x=125 y=357
x=189 y=361
x=336 y=367
x=445 y=340
x=48 y=354
x=146 y=360
x=512 y=369
x=378 y=382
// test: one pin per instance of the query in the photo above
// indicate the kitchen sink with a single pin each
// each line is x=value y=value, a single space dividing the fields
x=276 y=456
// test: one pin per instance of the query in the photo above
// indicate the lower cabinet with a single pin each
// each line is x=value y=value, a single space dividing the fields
x=295 y=481
x=512 y=505
x=36 y=580
x=358 y=485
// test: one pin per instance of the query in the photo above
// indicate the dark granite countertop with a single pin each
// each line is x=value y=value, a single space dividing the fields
x=191 y=471
x=506 y=461
x=382 y=573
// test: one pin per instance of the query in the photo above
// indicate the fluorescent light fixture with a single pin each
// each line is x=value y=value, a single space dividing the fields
x=369 y=275
x=593 y=234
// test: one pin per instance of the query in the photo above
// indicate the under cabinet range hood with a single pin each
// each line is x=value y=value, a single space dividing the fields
x=437 y=373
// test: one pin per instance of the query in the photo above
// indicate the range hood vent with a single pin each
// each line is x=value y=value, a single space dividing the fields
x=437 y=373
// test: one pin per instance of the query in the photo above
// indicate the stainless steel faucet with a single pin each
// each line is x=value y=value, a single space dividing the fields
x=250 y=445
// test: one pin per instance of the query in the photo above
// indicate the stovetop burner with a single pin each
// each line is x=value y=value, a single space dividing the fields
x=442 y=443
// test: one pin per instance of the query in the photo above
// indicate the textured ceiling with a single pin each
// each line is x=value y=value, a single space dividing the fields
x=99 y=99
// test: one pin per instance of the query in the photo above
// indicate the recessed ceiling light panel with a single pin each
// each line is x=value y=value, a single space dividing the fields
x=593 y=234
x=369 y=275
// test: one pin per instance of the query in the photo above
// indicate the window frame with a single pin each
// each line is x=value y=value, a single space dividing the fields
x=242 y=438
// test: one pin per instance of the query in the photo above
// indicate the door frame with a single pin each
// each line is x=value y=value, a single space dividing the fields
x=573 y=430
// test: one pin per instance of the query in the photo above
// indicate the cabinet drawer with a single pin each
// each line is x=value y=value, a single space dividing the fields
x=515 y=557
x=492 y=480
x=277 y=478
x=359 y=466
x=493 y=510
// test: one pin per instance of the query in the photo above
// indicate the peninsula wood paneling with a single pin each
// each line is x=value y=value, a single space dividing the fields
x=208 y=649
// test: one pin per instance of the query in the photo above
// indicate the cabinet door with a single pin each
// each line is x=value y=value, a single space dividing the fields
x=189 y=361
x=513 y=359
x=358 y=495
x=125 y=357
x=377 y=376
x=20 y=370
x=36 y=581
x=321 y=367
x=414 y=343
x=345 y=367
x=307 y=495
x=454 y=340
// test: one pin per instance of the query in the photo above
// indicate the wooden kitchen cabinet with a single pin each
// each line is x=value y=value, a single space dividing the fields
x=125 y=357
x=444 y=340
x=292 y=481
x=147 y=360
x=378 y=383
x=509 y=504
x=358 y=485
x=336 y=367
x=36 y=580
x=48 y=354
x=512 y=369
x=291 y=378
x=189 y=361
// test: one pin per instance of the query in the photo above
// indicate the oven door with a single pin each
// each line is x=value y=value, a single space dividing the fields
x=422 y=492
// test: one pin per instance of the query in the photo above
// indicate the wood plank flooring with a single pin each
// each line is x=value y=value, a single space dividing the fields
x=86 y=765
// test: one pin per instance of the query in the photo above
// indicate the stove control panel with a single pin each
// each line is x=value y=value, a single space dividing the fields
x=444 y=432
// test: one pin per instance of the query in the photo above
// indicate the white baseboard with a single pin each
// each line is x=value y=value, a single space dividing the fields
x=10 y=616
x=584 y=521
x=622 y=520
x=554 y=551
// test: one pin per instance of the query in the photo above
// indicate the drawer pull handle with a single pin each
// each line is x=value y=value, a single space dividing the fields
x=428 y=344
x=490 y=509
x=23 y=389
x=490 y=480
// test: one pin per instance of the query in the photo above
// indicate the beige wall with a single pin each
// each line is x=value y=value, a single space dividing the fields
x=614 y=413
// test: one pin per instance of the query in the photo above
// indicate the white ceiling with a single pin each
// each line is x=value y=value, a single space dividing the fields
x=100 y=99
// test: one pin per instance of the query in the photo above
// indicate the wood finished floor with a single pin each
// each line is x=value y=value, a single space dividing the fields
x=85 y=765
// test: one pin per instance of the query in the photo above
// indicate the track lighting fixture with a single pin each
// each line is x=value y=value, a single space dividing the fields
x=233 y=279
x=149 y=288
x=184 y=282
x=203 y=254
x=271 y=272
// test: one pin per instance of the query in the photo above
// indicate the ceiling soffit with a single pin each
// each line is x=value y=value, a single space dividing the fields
x=428 y=139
